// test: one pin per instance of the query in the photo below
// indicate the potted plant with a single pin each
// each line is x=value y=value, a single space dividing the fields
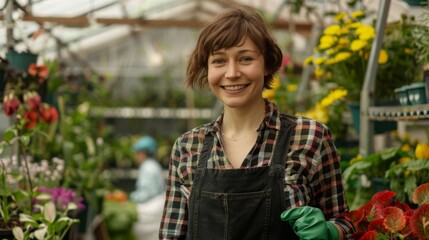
x=385 y=217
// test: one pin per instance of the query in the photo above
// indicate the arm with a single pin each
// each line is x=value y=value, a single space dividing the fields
x=314 y=167
x=174 y=218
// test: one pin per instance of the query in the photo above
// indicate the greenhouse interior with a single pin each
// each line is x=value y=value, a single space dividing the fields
x=99 y=123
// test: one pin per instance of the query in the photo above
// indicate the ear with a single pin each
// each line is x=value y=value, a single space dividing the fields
x=266 y=72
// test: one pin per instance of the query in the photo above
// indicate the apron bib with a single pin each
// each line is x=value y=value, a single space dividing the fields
x=241 y=204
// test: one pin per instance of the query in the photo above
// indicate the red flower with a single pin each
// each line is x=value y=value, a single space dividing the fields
x=33 y=100
x=31 y=117
x=49 y=114
x=11 y=105
x=40 y=72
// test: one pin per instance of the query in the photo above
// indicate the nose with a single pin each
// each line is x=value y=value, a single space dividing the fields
x=232 y=71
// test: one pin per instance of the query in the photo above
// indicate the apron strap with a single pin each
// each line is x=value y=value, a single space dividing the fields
x=205 y=153
x=288 y=123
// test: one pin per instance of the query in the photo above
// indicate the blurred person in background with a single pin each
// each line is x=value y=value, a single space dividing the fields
x=150 y=189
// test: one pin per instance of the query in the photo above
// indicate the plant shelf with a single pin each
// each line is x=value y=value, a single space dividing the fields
x=395 y=113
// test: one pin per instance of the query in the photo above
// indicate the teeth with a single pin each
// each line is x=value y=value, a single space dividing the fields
x=234 y=88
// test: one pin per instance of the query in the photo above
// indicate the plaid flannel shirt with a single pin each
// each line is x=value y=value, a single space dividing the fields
x=312 y=177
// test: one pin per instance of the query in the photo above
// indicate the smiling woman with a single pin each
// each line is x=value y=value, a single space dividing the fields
x=254 y=172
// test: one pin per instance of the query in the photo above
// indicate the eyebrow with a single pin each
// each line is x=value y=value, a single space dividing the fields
x=219 y=52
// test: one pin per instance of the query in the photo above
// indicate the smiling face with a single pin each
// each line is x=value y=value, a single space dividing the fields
x=236 y=75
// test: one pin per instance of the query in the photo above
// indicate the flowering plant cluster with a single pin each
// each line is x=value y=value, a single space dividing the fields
x=21 y=93
x=344 y=48
x=385 y=217
x=327 y=106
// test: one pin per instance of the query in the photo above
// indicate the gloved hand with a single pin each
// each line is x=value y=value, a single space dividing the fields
x=309 y=223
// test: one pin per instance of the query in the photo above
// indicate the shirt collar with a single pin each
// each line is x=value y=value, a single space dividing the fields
x=271 y=120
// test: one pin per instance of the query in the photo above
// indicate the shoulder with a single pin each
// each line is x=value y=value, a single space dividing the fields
x=308 y=129
x=192 y=139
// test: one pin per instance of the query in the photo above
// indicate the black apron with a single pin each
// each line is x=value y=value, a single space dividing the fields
x=241 y=204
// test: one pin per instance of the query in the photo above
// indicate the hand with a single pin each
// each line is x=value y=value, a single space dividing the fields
x=309 y=223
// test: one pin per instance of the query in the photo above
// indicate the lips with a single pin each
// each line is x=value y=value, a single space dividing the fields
x=235 y=87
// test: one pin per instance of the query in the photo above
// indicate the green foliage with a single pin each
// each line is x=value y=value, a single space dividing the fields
x=120 y=217
x=46 y=224
x=405 y=177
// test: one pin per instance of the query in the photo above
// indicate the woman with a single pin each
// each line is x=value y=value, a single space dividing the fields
x=254 y=173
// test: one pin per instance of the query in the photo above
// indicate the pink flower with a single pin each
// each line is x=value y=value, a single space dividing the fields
x=49 y=114
x=33 y=100
x=11 y=105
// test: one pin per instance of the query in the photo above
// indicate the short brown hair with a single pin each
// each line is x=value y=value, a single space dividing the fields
x=228 y=30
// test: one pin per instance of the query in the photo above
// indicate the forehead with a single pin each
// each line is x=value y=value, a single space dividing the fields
x=245 y=44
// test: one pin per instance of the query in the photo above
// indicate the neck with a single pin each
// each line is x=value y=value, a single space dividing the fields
x=236 y=122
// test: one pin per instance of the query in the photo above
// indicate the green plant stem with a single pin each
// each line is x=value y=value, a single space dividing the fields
x=30 y=182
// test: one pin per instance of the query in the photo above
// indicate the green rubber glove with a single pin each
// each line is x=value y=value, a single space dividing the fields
x=309 y=223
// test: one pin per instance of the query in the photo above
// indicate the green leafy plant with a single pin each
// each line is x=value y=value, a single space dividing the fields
x=366 y=175
x=407 y=175
x=46 y=224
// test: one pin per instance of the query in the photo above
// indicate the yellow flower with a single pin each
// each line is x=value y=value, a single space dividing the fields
x=357 y=45
x=365 y=32
x=268 y=94
x=308 y=60
x=408 y=51
x=355 y=25
x=332 y=30
x=358 y=14
x=291 y=87
x=319 y=72
x=422 y=151
x=343 y=41
x=406 y=147
x=318 y=61
x=275 y=84
x=403 y=160
x=327 y=41
x=340 y=16
x=382 y=57
x=341 y=56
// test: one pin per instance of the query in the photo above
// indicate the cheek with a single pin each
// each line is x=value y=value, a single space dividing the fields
x=214 y=75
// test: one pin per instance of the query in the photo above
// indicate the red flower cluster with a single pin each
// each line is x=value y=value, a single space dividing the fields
x=384 y=217
x=33 y=109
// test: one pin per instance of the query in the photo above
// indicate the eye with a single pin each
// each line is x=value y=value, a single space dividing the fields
x=246 y=59
x=218 y=61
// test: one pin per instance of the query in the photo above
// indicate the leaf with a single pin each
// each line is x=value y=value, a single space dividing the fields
x=420 y=221
x=370 y=235
x=395 y=220
x=18 y=233
x=26 y=218
x=377 y=225
x=10 y=134
x=384 y=197
x=421 y=194
x=40 y=233
x=50 y=212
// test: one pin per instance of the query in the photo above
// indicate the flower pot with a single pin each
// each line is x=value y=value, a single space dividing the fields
x=21 y=61
x=379 y=126
x=416 y=93
x=402 y=96
x=6 y=234
x=414 y=2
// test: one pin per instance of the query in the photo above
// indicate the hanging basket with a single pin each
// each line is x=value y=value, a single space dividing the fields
x=21 y=61
x=379 y=126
